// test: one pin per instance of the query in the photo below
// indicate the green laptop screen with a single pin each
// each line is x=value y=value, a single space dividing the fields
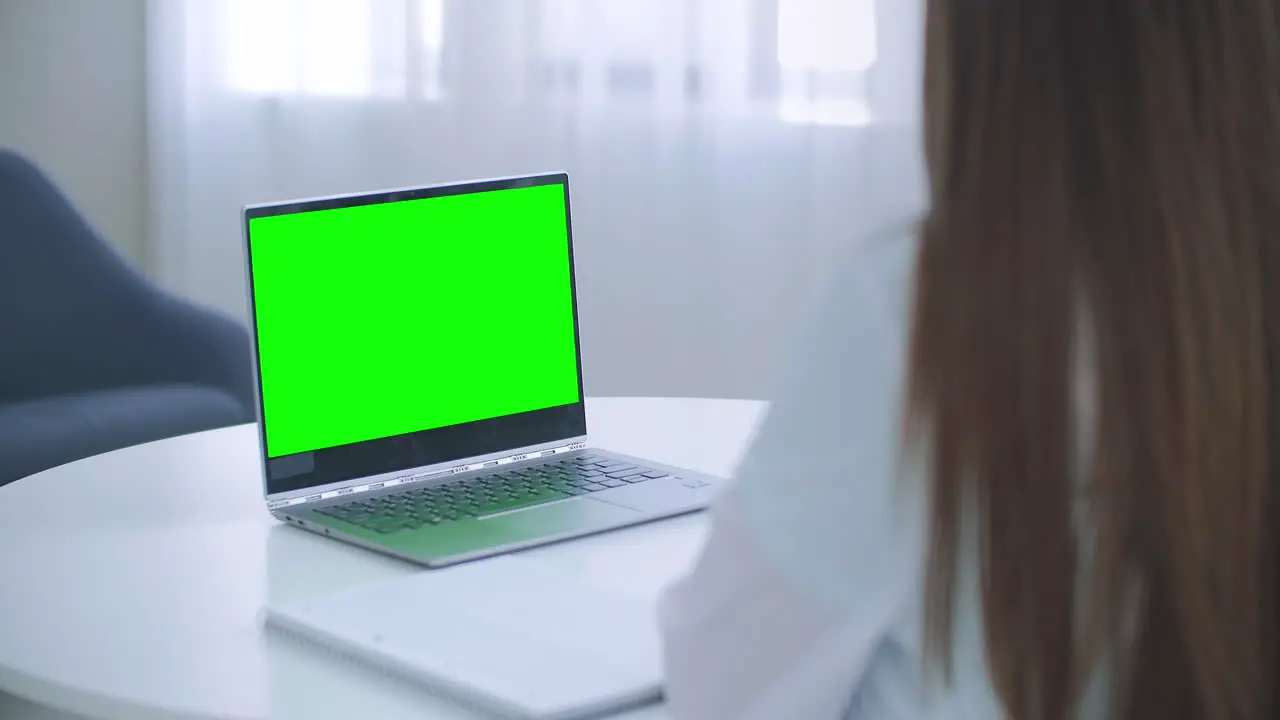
x=392 y=318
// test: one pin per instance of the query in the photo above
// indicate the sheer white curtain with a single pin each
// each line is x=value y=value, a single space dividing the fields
x=721 y=151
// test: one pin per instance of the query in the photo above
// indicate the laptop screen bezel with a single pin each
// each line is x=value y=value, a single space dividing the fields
x=335 y=467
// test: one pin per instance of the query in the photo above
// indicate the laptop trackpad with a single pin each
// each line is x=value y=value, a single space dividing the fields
x=558 y=518
x=661 y=495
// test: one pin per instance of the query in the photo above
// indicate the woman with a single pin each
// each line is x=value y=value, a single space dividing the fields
x=1026 y=464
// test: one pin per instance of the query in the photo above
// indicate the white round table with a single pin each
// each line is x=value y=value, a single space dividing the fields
x=131 y=583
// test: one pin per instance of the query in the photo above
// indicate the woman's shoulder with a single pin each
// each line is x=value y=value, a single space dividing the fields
x=849 y=356
x=862 y=309
x=882 y=261
x=820 y=483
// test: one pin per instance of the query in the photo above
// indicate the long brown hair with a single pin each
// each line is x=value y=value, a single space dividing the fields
x=1105 y=180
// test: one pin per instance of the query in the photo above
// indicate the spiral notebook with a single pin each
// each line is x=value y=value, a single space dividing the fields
x=507 y=635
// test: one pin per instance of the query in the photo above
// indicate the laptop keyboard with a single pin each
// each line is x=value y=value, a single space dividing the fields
x=489 y=494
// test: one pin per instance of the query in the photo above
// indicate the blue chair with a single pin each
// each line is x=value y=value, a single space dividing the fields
x=93 y=356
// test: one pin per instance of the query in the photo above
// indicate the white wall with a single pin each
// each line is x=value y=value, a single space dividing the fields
x=72 y=81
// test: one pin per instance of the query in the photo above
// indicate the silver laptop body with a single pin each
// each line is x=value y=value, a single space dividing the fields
x=352 y=441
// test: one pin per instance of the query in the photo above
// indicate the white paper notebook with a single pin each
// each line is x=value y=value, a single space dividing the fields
x=507 y=635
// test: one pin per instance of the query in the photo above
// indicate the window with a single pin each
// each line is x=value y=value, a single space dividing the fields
x=825 y=48
x=806 y=58
x=430 y=46
x=616 y=49
x=333 y=48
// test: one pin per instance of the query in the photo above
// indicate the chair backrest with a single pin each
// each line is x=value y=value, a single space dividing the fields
x=74 y=316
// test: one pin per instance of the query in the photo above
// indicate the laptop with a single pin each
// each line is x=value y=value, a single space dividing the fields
x=419 y=375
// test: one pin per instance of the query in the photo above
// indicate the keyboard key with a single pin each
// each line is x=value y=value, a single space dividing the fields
x=610 y=482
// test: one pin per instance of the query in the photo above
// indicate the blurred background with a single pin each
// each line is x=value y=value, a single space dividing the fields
x=721 y=152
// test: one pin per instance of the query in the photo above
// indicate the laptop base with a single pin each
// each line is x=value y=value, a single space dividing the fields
x=471 y=538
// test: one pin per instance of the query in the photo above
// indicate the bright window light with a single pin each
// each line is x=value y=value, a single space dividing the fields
x=432 y=24
x=310 y=47
x=336 y=48
x=330 y=48
x=431 y=36
x=826 y=35
x=259 y=46
x=825 y=48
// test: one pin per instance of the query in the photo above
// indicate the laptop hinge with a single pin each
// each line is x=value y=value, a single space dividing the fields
x=274 y=505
